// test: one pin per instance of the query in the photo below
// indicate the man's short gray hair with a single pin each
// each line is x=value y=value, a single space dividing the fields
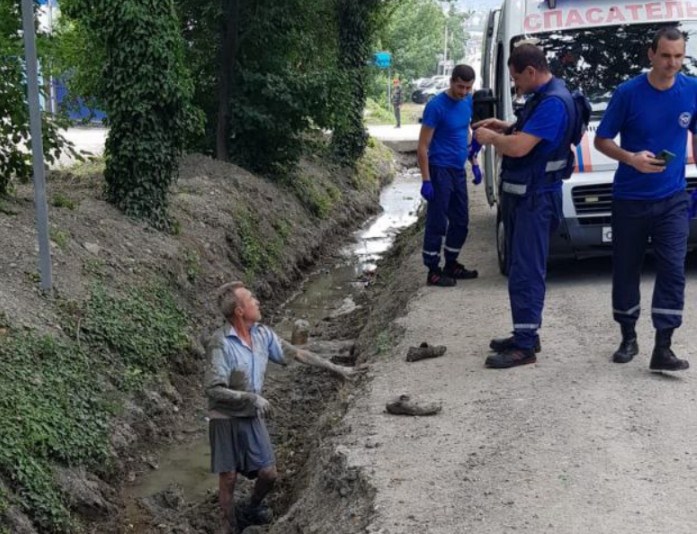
x=227 y=298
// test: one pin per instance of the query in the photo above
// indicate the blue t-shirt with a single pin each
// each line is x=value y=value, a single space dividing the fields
x=450 y=120
x=548 y=122
x=649 y=119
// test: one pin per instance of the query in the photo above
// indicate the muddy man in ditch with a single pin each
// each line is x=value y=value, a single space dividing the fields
x=238 y=354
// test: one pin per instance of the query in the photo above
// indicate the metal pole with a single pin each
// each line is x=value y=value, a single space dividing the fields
x=445 y=47
x=37 y=145
x=51 y=90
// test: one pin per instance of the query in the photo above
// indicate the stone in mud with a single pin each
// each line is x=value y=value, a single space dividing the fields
x=403 y=405
x=424 y=351
x=301 y=331
x=161 y=504
x=13 y=518
x=18 y=522
x=86 y=493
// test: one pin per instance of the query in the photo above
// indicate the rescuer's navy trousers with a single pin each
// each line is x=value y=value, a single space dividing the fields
x=529 y=221
x=663 y=225
x=447 y=216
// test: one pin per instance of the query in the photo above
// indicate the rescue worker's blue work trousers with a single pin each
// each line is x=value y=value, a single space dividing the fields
x=529 y=221
x=447 y=216
x=666 y=223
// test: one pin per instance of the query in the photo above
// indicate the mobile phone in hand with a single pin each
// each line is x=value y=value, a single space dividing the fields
x=666 y=156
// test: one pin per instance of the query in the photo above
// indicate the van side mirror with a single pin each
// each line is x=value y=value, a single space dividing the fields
x=483 y=105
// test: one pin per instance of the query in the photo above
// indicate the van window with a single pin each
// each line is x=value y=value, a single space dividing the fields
x=596 y=60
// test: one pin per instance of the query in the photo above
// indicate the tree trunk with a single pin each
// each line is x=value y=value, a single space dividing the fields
x=228 y=55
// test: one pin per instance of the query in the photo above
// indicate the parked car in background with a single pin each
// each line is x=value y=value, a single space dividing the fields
x=430 y=88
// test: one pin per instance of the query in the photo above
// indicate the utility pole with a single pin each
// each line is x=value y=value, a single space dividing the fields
x=52 y=106
x=445 y=46
x=37 y=145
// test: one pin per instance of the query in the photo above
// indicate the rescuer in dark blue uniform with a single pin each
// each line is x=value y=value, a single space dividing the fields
x=652 y=113
x=442 y=152
x=536 y=157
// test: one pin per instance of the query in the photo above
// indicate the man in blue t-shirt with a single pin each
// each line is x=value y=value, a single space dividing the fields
x=652 y=114
x=536 y=155
x=442 y=152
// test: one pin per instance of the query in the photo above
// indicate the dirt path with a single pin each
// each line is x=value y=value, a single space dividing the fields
x=573 y=444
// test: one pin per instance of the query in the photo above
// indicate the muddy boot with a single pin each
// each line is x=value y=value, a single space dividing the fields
x=629 y=346
x=424 y=351
x=228 y=525
x=664 y=359
x=403 y=405
x=249 y=515
x=502 y=344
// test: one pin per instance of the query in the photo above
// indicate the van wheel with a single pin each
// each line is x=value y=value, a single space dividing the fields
x=501 y=243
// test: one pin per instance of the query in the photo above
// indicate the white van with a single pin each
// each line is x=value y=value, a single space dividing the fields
x=593 y=46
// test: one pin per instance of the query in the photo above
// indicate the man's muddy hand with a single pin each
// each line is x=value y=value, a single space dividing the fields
x=262 y=405
x=348 y=373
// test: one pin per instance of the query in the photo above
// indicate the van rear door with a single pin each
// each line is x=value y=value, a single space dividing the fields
x=488 y=77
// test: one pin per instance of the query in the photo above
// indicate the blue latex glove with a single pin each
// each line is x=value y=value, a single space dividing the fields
x=427 y=191
x=693 y=205
x=477 y=174
x=475 y=147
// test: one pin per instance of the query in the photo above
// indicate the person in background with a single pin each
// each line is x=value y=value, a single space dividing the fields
x=397 y=101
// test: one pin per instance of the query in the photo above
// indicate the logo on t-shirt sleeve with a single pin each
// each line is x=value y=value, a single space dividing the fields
x=684 y=119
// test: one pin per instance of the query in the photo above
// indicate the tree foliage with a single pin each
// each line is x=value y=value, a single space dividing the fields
x=357 y=24
x=415 y=34
x=15 y=139
x=266 y=71
x=285 y=83
x=146 y=92
x=265 y=74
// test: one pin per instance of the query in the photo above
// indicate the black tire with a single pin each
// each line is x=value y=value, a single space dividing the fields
x=501 y=243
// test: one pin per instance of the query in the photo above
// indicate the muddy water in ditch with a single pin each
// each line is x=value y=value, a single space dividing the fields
x=329 y=291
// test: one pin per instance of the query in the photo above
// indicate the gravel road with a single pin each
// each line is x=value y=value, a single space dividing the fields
x=572 y=444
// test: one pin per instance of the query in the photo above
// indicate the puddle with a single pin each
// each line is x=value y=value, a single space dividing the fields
x=329 y=291
x=185 y=465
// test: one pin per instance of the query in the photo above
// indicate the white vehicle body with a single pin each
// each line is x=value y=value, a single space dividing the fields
x=594 y=46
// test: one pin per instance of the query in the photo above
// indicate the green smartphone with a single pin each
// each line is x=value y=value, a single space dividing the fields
x=666 y=156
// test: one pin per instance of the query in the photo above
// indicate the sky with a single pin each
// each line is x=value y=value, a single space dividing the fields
x=478 y=4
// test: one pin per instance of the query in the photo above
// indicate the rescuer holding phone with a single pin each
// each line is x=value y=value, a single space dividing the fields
x=652 y=114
